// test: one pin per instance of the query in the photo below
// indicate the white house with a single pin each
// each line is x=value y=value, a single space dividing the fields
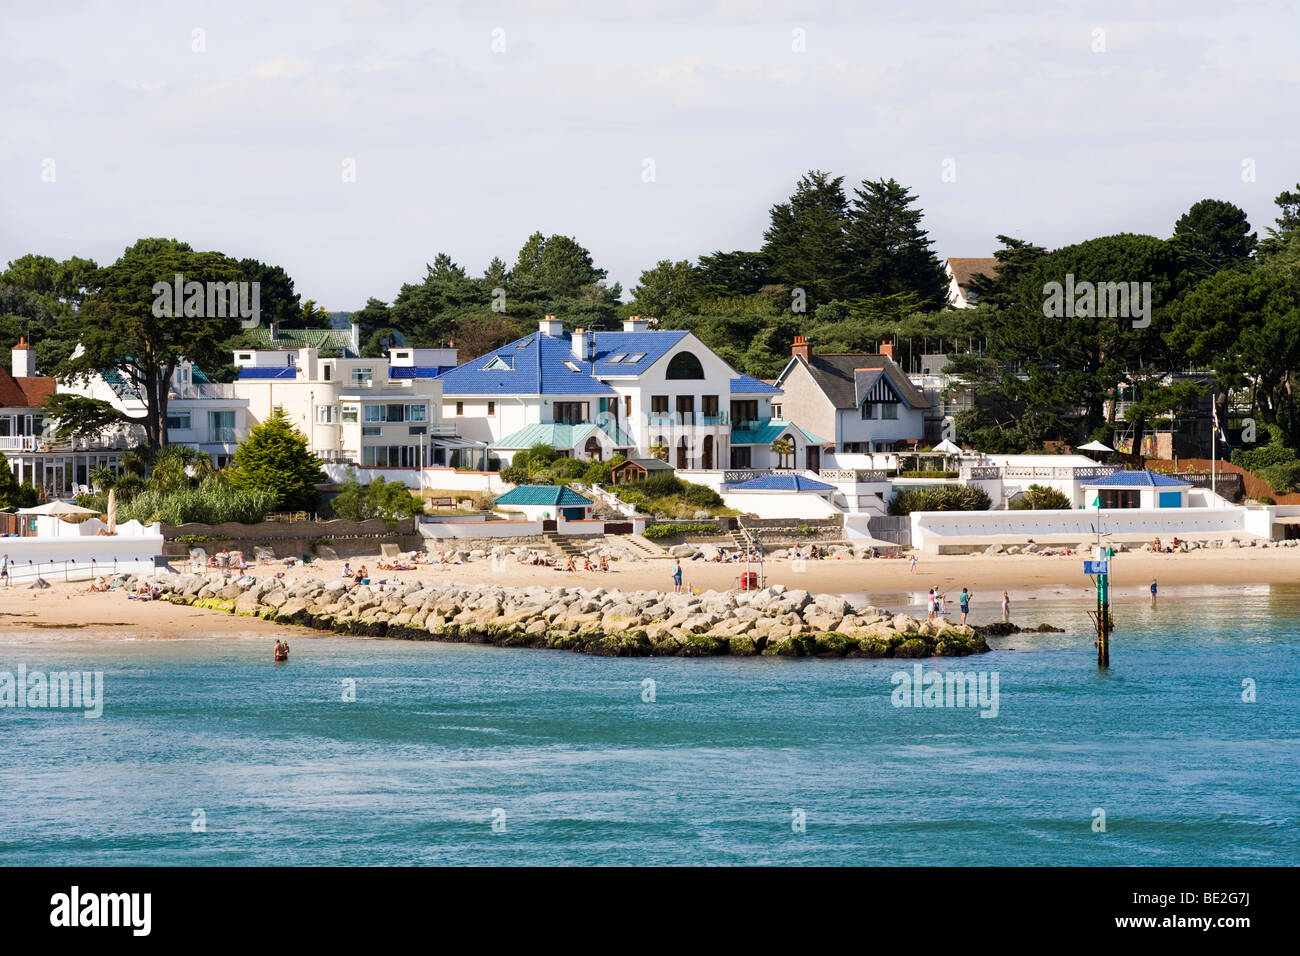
x=593 y=394
x=960 y=272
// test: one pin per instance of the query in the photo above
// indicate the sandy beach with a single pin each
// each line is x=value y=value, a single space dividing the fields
x=69 y=610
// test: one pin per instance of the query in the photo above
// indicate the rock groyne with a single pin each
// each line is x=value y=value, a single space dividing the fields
x=773 y=620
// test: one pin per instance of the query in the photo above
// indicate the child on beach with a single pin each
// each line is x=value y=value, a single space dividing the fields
x=930 y=604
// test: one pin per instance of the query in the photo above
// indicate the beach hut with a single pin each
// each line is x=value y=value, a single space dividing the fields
x=637 y=469
x=1138 y=489
x=536 y=502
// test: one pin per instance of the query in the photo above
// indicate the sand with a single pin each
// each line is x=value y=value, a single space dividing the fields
x=68 y=611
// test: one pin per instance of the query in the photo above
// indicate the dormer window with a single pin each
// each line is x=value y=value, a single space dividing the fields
x=498 y=364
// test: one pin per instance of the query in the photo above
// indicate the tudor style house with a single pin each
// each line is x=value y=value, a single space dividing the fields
x=863 y=402
x=640 y=392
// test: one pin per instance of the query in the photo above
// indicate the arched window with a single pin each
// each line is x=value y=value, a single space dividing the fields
x=592 y=448
x=684 y=365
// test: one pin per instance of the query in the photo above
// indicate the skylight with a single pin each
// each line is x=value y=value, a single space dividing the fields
x=618 y=358
x=572 y=366
x=633 y=359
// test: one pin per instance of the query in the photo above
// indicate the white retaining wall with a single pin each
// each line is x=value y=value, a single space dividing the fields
x=76 y=553
x=930 y=529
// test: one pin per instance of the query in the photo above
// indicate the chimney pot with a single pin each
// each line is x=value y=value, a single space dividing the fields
x=801 y=348
x=887 y=349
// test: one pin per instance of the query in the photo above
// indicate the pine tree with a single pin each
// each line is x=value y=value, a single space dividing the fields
x=275 y=458
x=889 y=251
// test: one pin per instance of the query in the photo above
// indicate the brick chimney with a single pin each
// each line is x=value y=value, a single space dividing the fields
x=801 y=348
x=887 y=349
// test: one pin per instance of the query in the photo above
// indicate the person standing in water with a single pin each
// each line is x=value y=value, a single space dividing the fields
x=1006 y=606
x=1153 y=592
x=912 y=567
x=964 y=600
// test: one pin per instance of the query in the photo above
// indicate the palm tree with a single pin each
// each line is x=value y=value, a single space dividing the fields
x=659 y=450
x=178 y=466
x=783 y=448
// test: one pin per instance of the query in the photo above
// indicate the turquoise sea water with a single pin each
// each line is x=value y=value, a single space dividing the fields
x=712 y=771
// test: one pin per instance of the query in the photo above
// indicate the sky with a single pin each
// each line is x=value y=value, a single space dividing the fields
x=350 y=142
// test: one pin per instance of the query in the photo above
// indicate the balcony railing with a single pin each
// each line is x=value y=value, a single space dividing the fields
x=853 y=474
x=682 y=419
x=20 y=442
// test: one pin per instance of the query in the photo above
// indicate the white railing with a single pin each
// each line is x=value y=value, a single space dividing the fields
x=612 y=500
x=20 y=442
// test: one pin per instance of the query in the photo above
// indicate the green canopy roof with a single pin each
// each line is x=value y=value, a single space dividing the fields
x=556 y=496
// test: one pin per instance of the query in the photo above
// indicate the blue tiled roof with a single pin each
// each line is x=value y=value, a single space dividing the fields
x=536 y=365
x=1136 y=479
x=559 y=496
x=278 y=371
x=782 y=483
x=417 y=371
x=747 y=384
x=768 y=430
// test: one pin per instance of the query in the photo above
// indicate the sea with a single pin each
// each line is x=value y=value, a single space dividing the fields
x=1186 y=751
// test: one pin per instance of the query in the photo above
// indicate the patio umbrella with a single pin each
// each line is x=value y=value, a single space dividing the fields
x=947 y=447
x=57 y=508
x=111 y=517
x=1095 y=446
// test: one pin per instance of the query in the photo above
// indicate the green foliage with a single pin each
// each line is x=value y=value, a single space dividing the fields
x=663 y=493
x=658 y=531
x=275 y=458
x=214 y=501
x=379 y=499
x=13 y=495
x=1283 y=477
x=940 y=498
x=1041 y=498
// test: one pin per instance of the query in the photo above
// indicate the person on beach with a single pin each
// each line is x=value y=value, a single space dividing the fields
x=1006 y=606
x=4 y=570
x=911 y=567
x=677 y=576
x=930 y=604
x=347 y=570
x=965 y=604
x=1153 y=592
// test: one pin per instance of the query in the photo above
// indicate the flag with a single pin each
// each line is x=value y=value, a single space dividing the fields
x=1214 y=413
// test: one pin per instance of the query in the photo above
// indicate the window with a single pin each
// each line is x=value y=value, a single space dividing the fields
x=658 y=404
x=570 y=413
x=776 y=410
x=221 y=426
x=390 y=456
x=627 y=406
x=245 y=356
x=418 y=430
x=498 y=364
x=743 y=411
x=571 y=366
x=684 y=365
x=635 y=357
x=362 y=376
x=617 y=358
x=178 y=420
x=868 y=411
x=325 y=371
x=460 y=408
x=492 y=408
x=889 y=411
x=417 y=413
x=402 y=355
x=326 y=414
x=371 y=431
x=349 y=413
x=740 y=457
x=709 y=406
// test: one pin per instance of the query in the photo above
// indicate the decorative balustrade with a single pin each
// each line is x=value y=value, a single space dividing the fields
x=853 y=474
x=732 y=477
